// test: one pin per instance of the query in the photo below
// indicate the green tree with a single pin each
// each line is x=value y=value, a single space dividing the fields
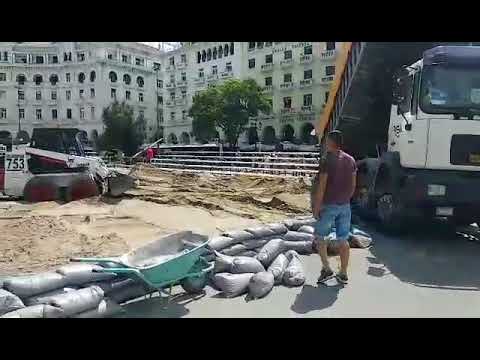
x=228 y=106
x=121 y=131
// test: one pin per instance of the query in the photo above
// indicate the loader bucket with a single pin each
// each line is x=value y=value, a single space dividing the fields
x=119 y=183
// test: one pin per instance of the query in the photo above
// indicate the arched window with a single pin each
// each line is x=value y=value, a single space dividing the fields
x=127 y=79
x=140 y=81
x=220 y=52
x=204 y=56
x=21 y=79
x=93 y=76
x=81 y=78
x=225 y=50
x=209 y=54
x=214 y=53
x=37 y=79
x=112 y=76
x=232 y=51
x=53 y=79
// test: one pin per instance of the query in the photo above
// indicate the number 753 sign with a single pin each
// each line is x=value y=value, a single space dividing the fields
x=14 y=162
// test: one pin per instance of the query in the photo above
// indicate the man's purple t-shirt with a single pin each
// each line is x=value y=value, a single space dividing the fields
x=340 y=168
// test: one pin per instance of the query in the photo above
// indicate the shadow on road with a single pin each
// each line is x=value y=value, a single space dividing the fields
x=435 y=256
x=157 y=307
x=313 y=298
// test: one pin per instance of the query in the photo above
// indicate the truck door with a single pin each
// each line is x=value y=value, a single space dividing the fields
x=407 y=133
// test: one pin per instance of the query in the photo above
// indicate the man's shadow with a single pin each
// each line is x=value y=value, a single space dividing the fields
x=313 y=298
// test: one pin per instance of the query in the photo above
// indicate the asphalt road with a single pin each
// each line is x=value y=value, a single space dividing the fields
x=431 y=272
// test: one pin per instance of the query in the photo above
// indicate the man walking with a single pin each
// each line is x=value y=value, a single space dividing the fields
x=331 y=204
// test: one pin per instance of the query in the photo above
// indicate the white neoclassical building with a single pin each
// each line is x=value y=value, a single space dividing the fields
x=296 y=76
x=68 y=84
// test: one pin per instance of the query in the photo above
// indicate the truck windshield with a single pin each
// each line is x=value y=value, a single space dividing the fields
x=450 y=90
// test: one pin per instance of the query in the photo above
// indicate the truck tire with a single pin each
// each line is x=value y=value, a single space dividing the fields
x=390 y=212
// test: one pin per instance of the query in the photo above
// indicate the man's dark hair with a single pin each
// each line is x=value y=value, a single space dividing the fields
x=337 y=137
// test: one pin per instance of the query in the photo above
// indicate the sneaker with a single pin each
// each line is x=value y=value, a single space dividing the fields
x=325 y=275
x=343 y=278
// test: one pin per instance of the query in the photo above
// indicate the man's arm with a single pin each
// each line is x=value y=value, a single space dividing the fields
x=322 y=185
x=354 y=184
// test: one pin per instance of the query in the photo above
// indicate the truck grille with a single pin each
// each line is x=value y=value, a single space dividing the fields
x=465 y=150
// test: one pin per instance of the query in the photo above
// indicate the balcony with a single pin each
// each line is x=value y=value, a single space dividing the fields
x=308 y=109
x=200 y=81
x=327 y=79
x=212 y=77
x=306 y=83
x=286 y=63
x=182 y=83
x=170 y=68
x=181 y=66
x=267 y=89
x=306 y=117
x=226 y=74
x=328 y=54
x=170 y=103
x=169 y=85
x=267 y=67
x=306 y=59
x=287 y=111
x=181 y=102
x=286 y=86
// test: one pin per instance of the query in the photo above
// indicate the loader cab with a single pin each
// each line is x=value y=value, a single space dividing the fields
x=65 y=141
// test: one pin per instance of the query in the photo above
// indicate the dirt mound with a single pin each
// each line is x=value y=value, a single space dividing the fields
x=32 y=244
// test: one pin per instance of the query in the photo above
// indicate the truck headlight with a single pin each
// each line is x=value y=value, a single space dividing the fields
x=436 y=190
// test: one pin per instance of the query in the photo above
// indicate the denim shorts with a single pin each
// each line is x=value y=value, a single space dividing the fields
x=338 y=216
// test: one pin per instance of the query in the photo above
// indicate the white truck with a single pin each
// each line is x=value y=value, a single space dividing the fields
x=430 y=166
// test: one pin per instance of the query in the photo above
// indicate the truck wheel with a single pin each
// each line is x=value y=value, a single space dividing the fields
x=390 y=213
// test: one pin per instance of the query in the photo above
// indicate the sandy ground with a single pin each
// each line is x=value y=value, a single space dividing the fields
x=37 y=237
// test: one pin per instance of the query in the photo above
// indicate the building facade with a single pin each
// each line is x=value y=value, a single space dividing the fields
x=69 y=84
x=296 y=76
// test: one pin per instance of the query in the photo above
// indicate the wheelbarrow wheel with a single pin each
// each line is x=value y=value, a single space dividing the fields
x=194 y=285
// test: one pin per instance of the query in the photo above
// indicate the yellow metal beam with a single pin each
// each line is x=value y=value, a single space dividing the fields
x=340 y=68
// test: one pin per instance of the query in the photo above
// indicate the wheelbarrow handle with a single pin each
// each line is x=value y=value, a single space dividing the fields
x=209 y=268
x=96 y=260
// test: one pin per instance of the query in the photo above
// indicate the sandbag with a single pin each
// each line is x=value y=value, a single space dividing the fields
x=301 y=247
x=277 y=268
x=260 y=284
x=75 y=302
x=295 y=224
x=298 y=236
x=254 y=244
x=234 y=250
x=109 y=286
x=79 y=274
x=356 y=231
x=243 y=264
x=307 y=229
x=278 y=228
x=30 y=285
x=209 y=257
x=104 y=309
x=260 y=232
x=194 y=285
x=223 y=263
x=133 y=291
x=270 y=251
x=46 y=297
x=221 y=242
x=248 y=253
x=294 y=274
x=232 y=285
x=9 y=302
x=360 y=241
x=239 y=235
x=36 y=312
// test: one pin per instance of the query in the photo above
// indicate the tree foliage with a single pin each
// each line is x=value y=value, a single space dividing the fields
x=229 y=107
x=121 y=131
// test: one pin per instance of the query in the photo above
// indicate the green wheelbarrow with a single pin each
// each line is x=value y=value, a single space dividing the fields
x=163 y=263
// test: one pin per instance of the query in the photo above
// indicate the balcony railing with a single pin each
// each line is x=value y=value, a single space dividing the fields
x=328 y=54
x=306 y=59
x=227 y=74
x=267 y=67
x=200 y=80
x=182 y=83
x=212 y=77
x=181 y=66
x=307 y=109
x=170 y=67
x=170 y=103
x=170 y=85
x=287 y=111
x=306 y=83
x=181 y=101
x=327 y=79
x=286 y=86
x=286 y=63
x=267 y=89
